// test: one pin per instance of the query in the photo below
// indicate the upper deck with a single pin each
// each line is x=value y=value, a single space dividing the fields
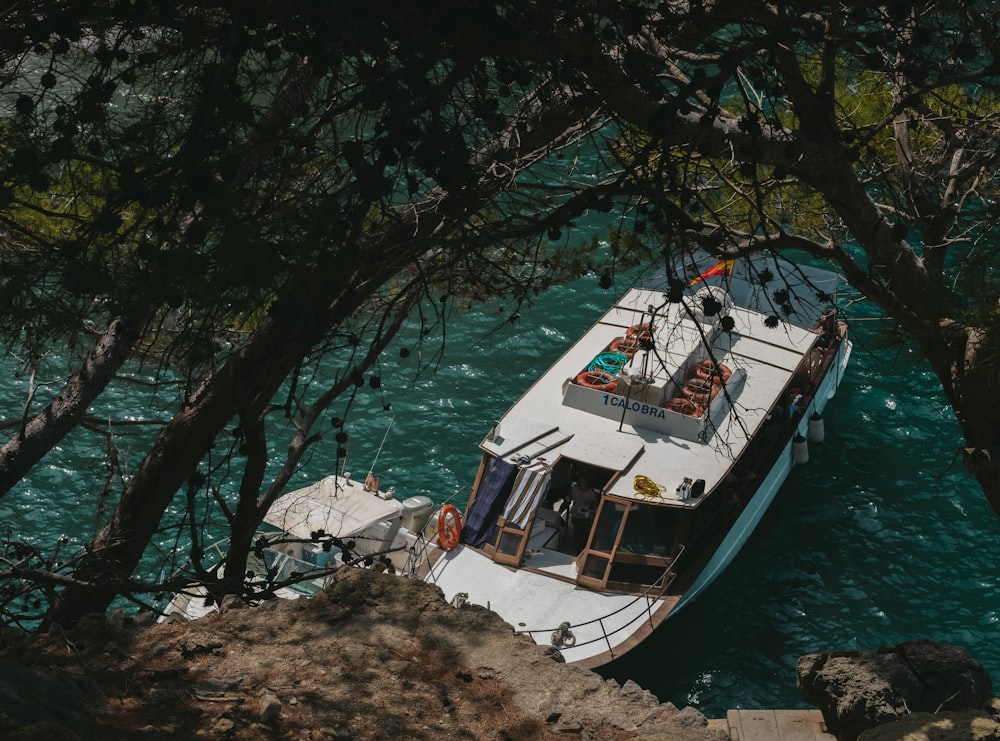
x=630 y=430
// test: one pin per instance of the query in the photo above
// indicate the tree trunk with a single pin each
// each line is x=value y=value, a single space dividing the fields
x=43 y=431
x=246 y=518
x=973 y=389
x=252 y=373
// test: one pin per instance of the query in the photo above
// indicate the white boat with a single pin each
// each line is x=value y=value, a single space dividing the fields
x=315 y=531
x=687 y=413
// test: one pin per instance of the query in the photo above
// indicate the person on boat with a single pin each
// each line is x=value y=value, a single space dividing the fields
x=384 y=566
x=583 y=503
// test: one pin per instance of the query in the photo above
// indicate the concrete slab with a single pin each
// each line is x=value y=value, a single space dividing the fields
x=777 y=725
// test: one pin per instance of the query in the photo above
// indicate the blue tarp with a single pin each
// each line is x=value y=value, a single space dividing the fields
x=480 y=523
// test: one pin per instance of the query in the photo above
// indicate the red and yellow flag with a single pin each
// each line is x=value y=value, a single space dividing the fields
x=723 y=267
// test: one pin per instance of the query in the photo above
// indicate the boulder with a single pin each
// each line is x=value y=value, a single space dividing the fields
x=859 y=690
x=948 y=725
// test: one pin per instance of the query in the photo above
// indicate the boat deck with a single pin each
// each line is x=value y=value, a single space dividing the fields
x=556 y=418
x=534 y=602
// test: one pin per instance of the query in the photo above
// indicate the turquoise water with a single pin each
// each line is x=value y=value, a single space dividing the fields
x=881 y=538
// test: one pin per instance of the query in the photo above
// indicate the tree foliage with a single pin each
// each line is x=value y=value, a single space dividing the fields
x=863 y=134
x=228 y=192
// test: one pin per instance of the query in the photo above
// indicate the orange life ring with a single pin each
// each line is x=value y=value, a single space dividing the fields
x=633 y=339
x=718 y=372
x=642 y=331
x=685 y=406
x=597 y=380
x=627 y=344
x=449 y=527
x=700 y=390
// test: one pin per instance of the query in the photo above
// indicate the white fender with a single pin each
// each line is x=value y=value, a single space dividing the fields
x=817 y=433
x=800 y=450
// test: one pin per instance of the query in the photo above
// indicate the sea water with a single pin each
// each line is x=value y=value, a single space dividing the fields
x=882 y=537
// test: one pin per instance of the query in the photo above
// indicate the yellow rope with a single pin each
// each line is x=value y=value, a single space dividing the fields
x=646 y=488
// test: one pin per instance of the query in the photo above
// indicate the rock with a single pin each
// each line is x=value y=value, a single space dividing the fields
x=858 y=690
x=690 y=718
x=948 y=725
x=91 y=626
x=231 y=602
x=398 y=666
x=269 y=708
x=570 y=725
x=366 y=659
x=223 y=726
x=29 y=696
x=620 y=720
x=634 y=693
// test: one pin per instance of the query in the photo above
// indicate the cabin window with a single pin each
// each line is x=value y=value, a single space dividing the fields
x=594 y=567
x=609 y=519
x=649 y=530
x=631 y=545
x=509 y=542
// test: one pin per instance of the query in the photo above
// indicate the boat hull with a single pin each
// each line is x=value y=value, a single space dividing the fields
x=772 y=483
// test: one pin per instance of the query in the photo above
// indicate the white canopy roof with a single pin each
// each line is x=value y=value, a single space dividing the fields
x=337 y=506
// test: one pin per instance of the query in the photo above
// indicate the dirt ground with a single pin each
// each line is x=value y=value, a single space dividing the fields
x=374 y=657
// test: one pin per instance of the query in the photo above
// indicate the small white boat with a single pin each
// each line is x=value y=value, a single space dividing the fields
x=685 y=408
x=315 y=531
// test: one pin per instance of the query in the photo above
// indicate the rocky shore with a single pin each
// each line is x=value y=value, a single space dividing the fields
x=381 y=657
x=375 y=657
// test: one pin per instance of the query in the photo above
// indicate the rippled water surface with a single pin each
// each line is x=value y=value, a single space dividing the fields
x=880 y=538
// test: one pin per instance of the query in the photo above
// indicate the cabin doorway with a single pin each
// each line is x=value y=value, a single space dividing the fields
x=573 y=502
x=518 y=511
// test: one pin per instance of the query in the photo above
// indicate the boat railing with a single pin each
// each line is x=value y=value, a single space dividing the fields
x=562 y=636
x=417 y=554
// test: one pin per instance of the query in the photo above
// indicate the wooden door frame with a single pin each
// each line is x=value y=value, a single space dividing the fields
x=590 y=581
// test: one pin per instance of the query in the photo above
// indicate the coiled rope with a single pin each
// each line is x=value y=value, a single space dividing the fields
x=609 y=362
x=562 y=637
x=646 y=488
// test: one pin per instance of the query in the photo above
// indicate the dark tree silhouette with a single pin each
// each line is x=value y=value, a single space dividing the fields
x=227 y=193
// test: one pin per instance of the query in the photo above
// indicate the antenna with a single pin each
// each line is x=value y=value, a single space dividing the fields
x=386 y=435
x=371 y=481
x=347 y=451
